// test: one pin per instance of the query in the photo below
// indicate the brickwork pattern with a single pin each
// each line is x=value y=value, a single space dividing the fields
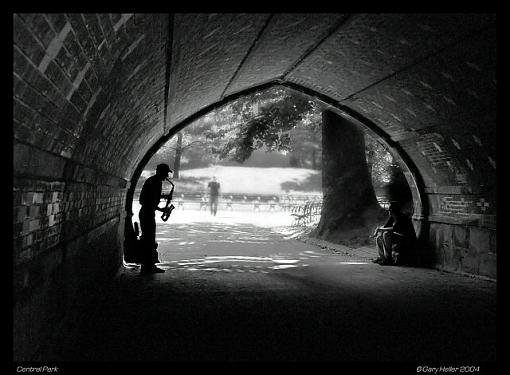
x=370 y=47
x=64 y=79
x=449 y=87
x=452 y=93
x=268 y=60
x=48 y=213
x=205 y=60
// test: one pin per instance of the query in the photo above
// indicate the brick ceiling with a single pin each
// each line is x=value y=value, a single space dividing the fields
x=101 y=89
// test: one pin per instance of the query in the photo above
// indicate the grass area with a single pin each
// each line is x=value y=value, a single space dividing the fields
x=250 y=180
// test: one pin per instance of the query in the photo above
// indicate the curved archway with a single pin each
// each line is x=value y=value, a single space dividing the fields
x=411 y=172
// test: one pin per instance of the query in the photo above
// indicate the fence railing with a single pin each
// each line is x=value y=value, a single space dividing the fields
x=258 y=202
x=307 y=213
x=310 y=211
x=304 y=208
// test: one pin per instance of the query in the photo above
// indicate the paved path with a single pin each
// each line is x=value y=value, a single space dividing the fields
x=238 y=291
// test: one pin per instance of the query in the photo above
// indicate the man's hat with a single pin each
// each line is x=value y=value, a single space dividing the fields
x=163 y=168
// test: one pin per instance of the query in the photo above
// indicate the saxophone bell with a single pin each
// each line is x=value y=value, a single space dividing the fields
x=169 y=207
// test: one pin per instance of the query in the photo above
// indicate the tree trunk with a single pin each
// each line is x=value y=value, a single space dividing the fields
x=370 y=162
x=350 y=210
x=178 y=153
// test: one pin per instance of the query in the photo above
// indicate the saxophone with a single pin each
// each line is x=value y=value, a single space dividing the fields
x=169 y=207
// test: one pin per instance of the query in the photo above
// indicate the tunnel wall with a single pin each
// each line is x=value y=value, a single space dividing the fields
x=454 y=210
x=77 y=119
x=461 y=199
x=67 y=236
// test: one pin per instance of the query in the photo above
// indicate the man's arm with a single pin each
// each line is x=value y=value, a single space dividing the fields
x=386 y=228
x=382 y=229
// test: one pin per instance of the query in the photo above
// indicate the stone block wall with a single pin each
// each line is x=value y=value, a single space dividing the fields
x=463 y=230
x=465 y=249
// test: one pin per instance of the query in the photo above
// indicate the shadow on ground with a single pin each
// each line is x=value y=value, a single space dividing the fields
x=244 y=293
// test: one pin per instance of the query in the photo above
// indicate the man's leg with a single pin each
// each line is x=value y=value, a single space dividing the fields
x=400 y=250
x=387 y=243
x=148 y=226
x=380 y=248
x=148 y=238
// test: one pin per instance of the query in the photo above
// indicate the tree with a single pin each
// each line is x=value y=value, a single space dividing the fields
x=266 y=120
x=380 y=162
x=350 y=209
x=189 y=146
x=306 y=146
x=178 y=155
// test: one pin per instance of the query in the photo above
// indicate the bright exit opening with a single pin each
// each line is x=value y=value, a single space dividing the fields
x=265 y=152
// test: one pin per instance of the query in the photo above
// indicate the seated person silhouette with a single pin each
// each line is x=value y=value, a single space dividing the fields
x=395 y=238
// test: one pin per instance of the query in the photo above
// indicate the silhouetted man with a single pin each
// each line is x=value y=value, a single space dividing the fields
x=214 y=192
x=395 y=238
x=149 y=199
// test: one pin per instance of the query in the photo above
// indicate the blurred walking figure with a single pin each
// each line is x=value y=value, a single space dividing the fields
x=214 y=192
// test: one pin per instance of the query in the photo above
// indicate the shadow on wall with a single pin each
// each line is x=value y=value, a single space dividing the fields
x=425 y=255
x=398 y=190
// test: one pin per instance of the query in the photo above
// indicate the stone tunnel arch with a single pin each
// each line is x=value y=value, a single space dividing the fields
x=411 y=172
x=89 y=89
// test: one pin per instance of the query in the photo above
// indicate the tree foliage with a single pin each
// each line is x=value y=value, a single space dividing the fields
x=381 y=163
x=267 y=120
x=277 y=119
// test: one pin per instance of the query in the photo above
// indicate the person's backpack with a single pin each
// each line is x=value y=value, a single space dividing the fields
x=132 y=246
x=401 y=253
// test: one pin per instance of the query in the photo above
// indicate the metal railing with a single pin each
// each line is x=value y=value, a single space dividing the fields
x=307 y=213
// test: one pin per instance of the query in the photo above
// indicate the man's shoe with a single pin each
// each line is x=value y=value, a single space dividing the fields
x=378 y=260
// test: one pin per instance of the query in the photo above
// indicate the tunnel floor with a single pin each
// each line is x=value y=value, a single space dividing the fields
x=243 y=292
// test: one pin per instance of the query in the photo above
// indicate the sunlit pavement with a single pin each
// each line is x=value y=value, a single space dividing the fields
x=236 y=291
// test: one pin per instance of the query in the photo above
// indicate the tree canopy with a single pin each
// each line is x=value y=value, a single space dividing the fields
x=276 y=120
x=267 y=120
